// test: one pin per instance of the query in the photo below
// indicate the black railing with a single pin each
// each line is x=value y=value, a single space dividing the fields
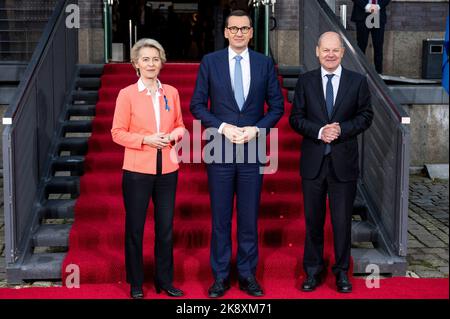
x=385 y=147
x=30 y=124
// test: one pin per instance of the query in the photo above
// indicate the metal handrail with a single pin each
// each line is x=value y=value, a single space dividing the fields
x=30 y=125
x=47 y=34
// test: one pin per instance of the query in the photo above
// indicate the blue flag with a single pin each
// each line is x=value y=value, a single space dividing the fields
x=445 y=69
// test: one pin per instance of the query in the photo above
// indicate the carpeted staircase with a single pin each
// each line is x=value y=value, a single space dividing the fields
x=96 y=239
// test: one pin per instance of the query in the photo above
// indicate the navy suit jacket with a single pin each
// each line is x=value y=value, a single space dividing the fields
x=352 y=110
x=359 y=12
x=214 y=84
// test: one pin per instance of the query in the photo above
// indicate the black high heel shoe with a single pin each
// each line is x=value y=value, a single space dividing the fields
x=171 y=291
x=136 y=292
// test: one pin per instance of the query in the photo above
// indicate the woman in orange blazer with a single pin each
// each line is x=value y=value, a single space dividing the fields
x=148 y=122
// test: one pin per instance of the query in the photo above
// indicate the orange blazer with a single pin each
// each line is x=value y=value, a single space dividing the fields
x=134 y=118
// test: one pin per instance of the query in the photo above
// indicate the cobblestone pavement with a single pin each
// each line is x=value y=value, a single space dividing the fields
x=428 y=227
x=428 y=235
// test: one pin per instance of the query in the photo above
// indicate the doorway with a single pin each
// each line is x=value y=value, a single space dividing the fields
x=186 y=29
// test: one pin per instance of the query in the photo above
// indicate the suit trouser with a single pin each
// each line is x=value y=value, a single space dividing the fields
x=341 y=196
x=138 y=188
x=225 y=181
x=362 y=35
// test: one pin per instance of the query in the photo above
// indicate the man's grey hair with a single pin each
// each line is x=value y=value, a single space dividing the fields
x=337 y=34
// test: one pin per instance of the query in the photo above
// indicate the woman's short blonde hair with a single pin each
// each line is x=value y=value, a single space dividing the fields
x=146 y=43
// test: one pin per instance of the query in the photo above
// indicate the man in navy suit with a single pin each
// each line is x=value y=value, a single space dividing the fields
x=237 y=81
x=361 y=10
x=331 y=107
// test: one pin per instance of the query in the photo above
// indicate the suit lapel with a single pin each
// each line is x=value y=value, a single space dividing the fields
x=224 y=73
x=319 y=92
x=254 y=66
x=344 y=84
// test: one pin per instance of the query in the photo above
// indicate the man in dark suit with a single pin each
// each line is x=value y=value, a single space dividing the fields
x=331 y=107
x=361 y=10
x=238 y=81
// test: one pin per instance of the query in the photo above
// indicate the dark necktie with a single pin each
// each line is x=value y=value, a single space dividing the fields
x=374 y=2
x=329 y=101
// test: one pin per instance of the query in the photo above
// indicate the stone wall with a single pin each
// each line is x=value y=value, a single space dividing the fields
x=429 y=134
x=90 y=35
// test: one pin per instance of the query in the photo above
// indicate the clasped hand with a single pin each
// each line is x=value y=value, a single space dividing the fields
x=330 y=132
x=373 y=8
x=158 y=140
x=239 y=135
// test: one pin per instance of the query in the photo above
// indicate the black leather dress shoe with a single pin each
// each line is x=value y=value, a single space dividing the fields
x=136 y=292
x=251 y=287
x=170 y=291
x=310 y=283
x=343 y=284
x=219 y=287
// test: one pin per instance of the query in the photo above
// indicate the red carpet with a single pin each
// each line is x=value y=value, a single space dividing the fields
x=96 y=239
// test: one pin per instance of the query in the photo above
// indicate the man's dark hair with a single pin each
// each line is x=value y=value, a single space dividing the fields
x=238 y=13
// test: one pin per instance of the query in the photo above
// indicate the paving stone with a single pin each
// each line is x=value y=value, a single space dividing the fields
x=430 y=274
x=437 y=243
x=415 y=244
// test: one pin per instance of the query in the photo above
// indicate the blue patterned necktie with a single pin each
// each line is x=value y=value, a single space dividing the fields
x=329 y=101
x=238 y=84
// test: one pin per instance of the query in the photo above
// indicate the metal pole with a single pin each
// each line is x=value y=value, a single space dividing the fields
x=266 y=28
x=344 y=15
x=105 y=30
x=130 y=27
x=256 y=22
x=110 y=3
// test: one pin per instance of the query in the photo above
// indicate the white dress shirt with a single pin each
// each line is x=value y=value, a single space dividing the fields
x=334 y=81
x=246 y=77
x=155 y=99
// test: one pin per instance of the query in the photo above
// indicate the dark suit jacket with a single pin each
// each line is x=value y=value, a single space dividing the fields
x=213 y=82
x=359 y=13
x=352 y=110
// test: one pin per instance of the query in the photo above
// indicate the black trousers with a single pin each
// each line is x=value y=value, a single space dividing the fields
x=137 y=189
x=341 y=196
x=362 y=37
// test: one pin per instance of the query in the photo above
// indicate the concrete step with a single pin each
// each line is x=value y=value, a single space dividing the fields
x=81 y=110
x=90 y=70
x=63 y=185
x=290 y=70
x=86 y=96
x=52 y=236
x=74 y=164
x=45 y=266
x=83 y=126
x=364 y=231
x=377 y=258
x=59 y=208
x=76 y=145
x=90 y=83
x=289 y=83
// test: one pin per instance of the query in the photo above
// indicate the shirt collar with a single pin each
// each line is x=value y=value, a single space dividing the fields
x=142 y=87
x=232 y=54
x=336 y=72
